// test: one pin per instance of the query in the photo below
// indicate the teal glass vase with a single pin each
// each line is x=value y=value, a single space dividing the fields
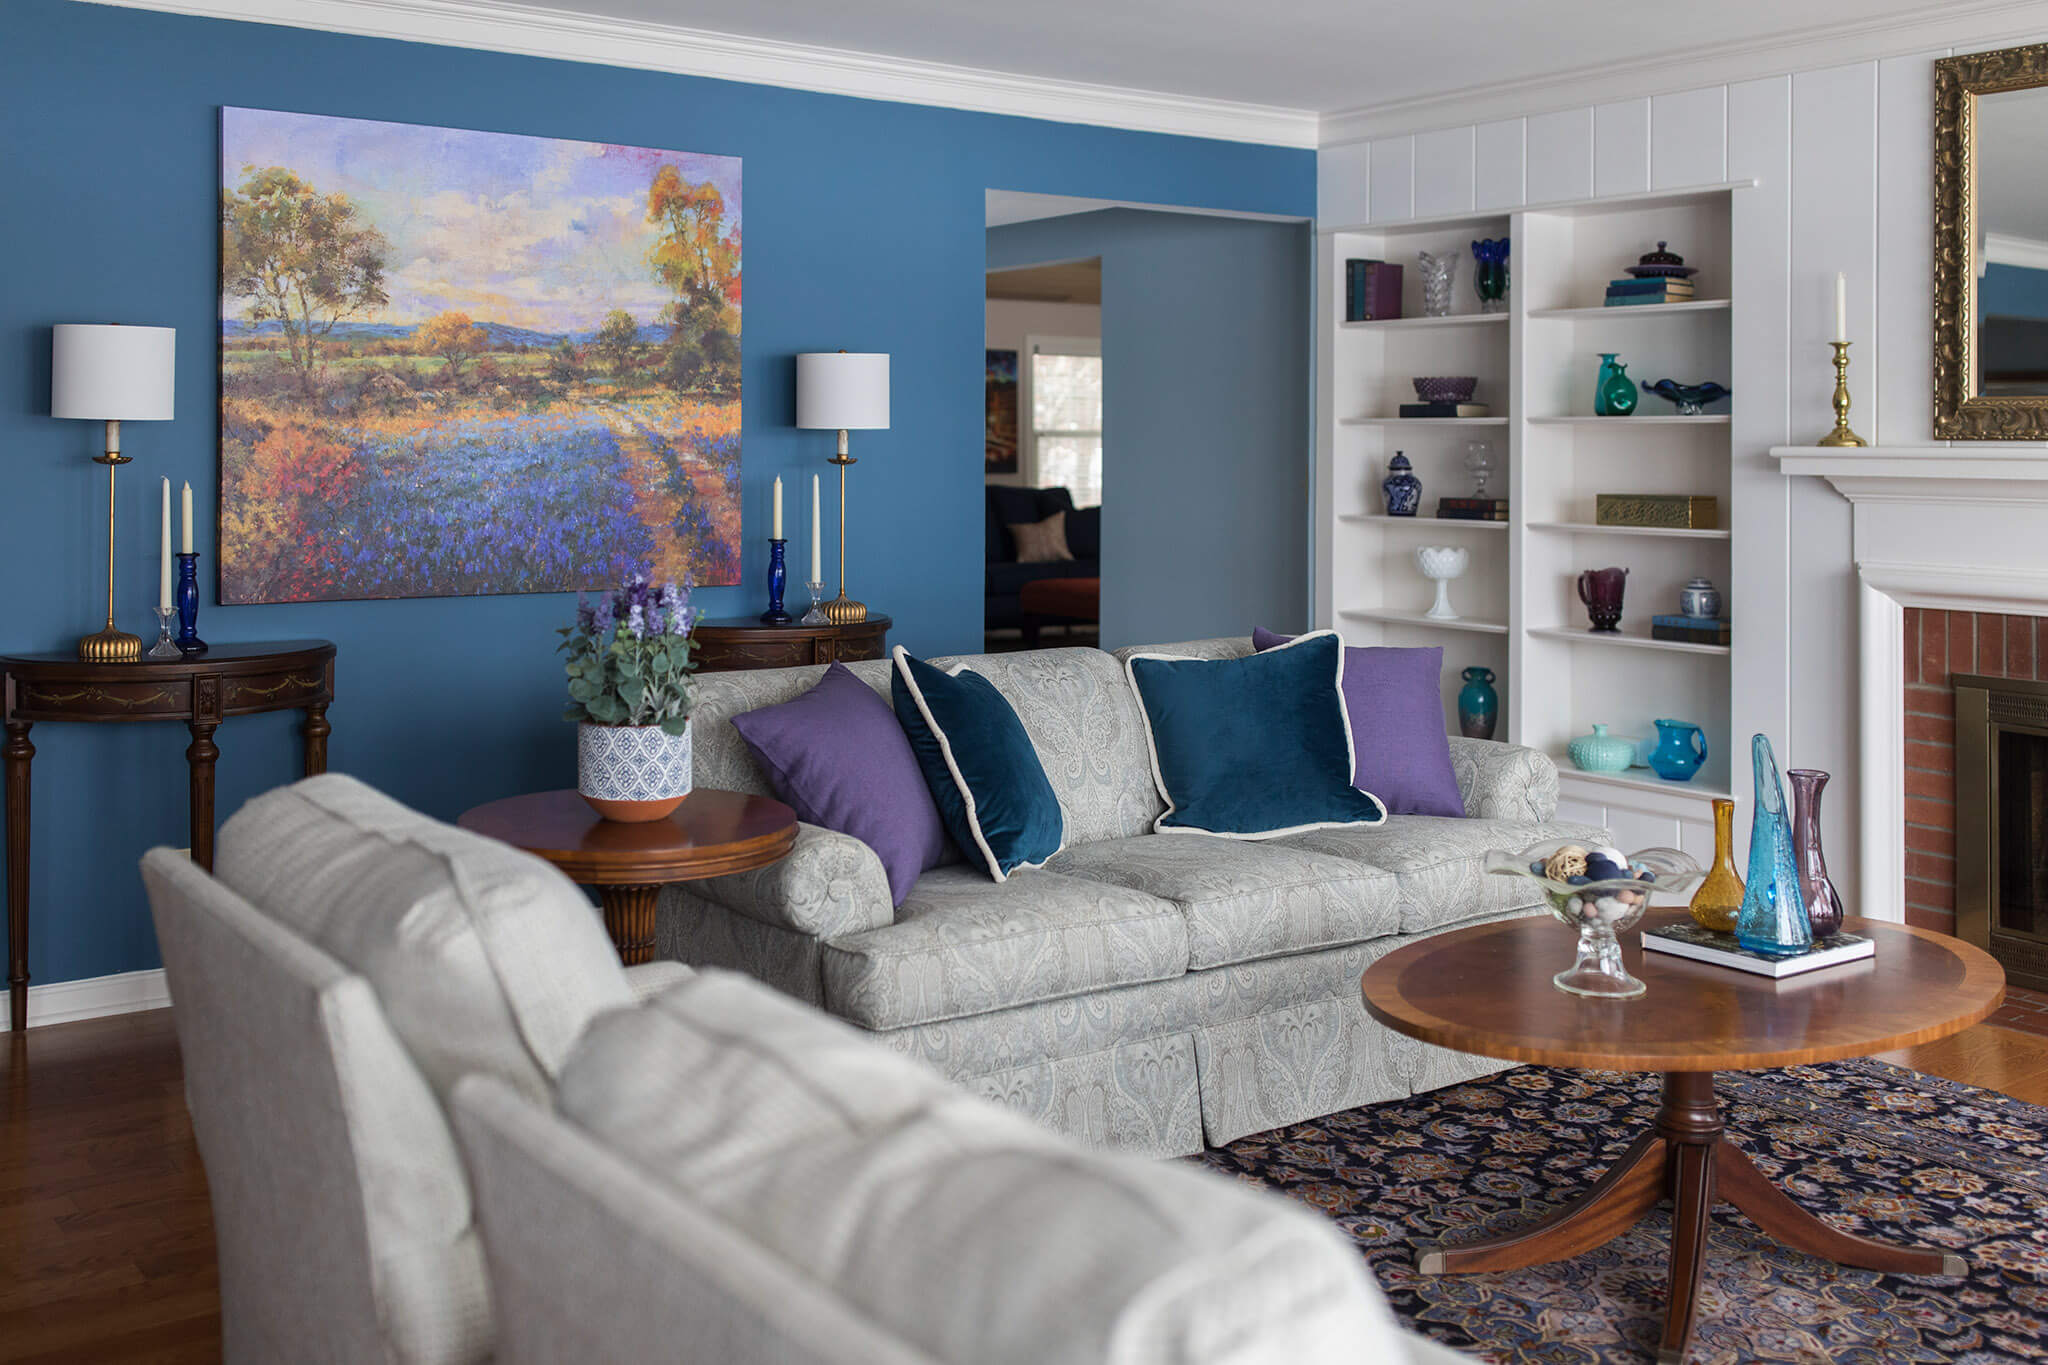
x=1478 y=704
x=1773 y=920
x=1615 y=393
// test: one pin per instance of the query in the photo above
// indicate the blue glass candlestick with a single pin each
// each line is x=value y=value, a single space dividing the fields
x=778 y=579
x=187 y=598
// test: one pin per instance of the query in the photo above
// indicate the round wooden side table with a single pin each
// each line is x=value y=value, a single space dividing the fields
x=733 y=642
x=711 y=834
x=1486 y=990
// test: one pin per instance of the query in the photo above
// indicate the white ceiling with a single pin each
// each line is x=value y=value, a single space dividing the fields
x=1319 y=55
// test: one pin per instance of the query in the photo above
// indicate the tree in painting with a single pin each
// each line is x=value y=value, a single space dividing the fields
x=456 y=362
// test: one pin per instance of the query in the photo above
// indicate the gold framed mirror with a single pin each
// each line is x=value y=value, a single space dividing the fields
x=1991 y=245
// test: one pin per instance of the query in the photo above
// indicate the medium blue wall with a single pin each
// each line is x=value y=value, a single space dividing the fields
x=2013 y=291
x=864 y=231
x=1207 y=461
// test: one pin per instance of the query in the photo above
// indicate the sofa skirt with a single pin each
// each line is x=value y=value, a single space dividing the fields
x=1162 y=1068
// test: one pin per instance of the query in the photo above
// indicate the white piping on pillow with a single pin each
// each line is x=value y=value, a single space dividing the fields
x=1160 y=826
x=995 y=868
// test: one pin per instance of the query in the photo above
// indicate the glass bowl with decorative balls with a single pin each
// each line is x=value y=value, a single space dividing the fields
x=1601 y=892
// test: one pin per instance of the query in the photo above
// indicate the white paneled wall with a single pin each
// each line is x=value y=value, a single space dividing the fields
x=1842 y=164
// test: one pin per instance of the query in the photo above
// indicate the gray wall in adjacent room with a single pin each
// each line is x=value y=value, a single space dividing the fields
x=1207 y=451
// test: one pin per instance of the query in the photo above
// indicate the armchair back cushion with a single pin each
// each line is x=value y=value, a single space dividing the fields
x=965 y=1230
x=484 y=958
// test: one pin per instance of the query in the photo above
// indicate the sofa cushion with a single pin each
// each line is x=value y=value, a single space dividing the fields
x=484 y=958
x=1078 y=710
x=911 y=1201
x=718 y=756
x=1252 y=748
x=1245 y=901
x=962 y=944
x=1084 y=532
x=838 y=756
x=1042 y=542
x=988 y=783
x=1439 y=861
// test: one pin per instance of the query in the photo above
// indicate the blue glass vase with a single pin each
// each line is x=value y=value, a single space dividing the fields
x=1773 y=920
x=1615 y=393
x=1478 y=704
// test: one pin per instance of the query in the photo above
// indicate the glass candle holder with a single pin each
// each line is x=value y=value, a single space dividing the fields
x=165 y=647
x=816 y=615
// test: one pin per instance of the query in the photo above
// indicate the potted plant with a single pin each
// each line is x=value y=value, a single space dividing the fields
x=630 y=693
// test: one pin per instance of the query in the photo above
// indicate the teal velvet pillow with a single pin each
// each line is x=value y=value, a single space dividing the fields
x=991 y=790
x=1252 y=748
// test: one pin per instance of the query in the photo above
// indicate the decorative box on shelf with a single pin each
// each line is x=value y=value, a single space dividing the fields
x=1665 y=511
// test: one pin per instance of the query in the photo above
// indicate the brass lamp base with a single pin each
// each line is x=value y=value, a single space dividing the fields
x=109 y=646
x=844 y=611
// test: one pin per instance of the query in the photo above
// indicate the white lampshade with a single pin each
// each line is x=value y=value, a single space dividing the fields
x=842 y=391
x=112 y=374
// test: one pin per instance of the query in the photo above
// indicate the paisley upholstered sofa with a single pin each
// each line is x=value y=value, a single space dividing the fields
x=1150 y=992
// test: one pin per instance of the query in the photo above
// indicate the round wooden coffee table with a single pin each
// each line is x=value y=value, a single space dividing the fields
x=1486 y=990
x=711 y=834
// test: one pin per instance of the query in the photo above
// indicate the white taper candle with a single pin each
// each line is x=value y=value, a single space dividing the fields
x=163 y=545
x=1841 y=306
x=778 y=507
x=817 y=559
x=185 y=545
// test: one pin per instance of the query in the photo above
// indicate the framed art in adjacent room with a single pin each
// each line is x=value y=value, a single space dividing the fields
x=459 y=362
x=1002 y=412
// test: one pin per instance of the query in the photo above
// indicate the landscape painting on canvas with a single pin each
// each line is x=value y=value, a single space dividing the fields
x=456 y=362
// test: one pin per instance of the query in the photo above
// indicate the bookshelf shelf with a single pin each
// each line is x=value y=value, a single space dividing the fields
x=1631 y=311
x=1432 y=523
x=1427 y=324
x=1616 y=639
x=1589 y=528
x=1422 y=421
x=1415 y=618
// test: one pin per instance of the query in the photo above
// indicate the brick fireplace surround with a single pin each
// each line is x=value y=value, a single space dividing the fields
x=1938 y=644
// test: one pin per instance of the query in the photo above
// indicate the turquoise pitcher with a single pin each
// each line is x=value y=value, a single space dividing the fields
x=1681 y=749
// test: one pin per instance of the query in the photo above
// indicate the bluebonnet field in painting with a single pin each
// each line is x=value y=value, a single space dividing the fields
x=456 y=362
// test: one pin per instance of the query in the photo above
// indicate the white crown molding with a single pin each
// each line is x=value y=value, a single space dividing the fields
x=533 y=31
x=1984 y=23
x=61 y=1002
x=2002 y=248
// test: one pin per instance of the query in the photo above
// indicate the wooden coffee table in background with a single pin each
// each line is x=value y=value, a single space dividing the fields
x=711 y=834
x=1487 y=991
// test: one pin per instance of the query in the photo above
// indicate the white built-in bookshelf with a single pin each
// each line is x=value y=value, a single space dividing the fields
x=1537 y=365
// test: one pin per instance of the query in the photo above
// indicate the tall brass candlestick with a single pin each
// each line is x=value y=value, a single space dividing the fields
x=1841 y=435
x=109 y=645
x=843 y=610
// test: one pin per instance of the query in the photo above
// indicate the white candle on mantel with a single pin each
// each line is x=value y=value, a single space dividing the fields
x=185 y=545
x=1841 y=306
x=163 y=545
x=817 y=560
x=778 y=507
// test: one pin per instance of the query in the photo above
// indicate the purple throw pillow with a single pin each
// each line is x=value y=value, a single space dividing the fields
x=1399 y=749
x=838 y=757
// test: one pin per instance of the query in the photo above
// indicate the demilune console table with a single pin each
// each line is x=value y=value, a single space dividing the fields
x=202 y=690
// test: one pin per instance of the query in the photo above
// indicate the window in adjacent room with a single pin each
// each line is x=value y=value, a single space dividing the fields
x=1066 y=416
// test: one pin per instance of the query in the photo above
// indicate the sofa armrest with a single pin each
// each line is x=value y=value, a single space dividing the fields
x=1504 y=781
x=830 y=884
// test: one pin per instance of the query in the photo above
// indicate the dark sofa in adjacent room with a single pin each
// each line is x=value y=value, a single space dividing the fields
x=1008 y=505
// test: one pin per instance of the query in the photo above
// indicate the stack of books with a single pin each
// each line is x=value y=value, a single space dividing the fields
x=1472 y=509
x=1622 y=293
x=1689 y=630
x=1444 y=410
x=1686 y=939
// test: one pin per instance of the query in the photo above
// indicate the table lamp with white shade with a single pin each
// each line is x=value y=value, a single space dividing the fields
x=111 y=374
x=837 y=390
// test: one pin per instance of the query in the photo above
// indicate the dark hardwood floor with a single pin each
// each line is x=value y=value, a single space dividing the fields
x=106 y=1243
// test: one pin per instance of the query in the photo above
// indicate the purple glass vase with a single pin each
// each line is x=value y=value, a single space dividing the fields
x=1823 y=903
x=1600 y=590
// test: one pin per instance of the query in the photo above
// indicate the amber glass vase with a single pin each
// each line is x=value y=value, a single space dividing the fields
x=1719 y=900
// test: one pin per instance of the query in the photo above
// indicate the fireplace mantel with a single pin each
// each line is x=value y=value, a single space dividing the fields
x=1957 y=527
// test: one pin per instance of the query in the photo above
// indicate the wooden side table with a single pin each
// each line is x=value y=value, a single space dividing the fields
x=711 y=834
x=735 y=642
x=202 y=691
x=1486 y=990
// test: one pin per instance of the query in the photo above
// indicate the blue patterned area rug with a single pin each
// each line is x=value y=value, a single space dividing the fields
x=1874 y=1149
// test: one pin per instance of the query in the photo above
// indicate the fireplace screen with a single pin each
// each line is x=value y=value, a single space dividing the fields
x=2002 y=822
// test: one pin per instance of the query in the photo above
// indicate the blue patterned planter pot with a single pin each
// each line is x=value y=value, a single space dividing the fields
x=632 y=772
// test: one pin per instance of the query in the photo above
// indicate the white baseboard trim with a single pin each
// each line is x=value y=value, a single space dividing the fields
x=61 y=1002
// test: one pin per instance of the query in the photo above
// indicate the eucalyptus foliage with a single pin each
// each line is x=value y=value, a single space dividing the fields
x=629 y=657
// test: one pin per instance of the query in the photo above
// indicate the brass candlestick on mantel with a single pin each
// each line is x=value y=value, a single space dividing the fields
x=840 y=391
x=111 y=374
x=1841 y=435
